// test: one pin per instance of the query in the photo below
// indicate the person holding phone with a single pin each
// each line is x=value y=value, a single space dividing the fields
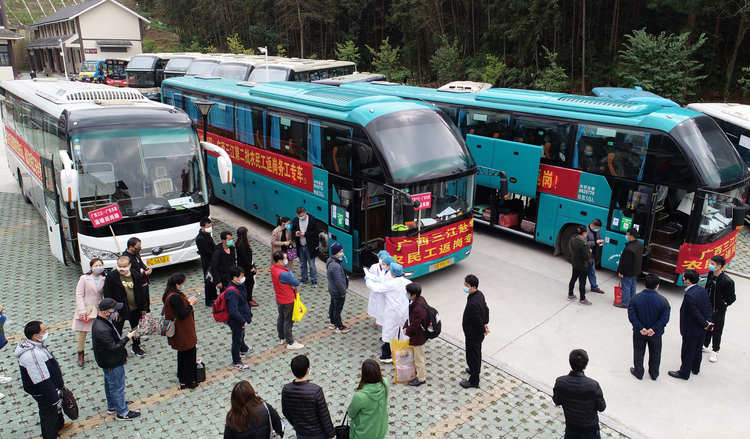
x=88 y=296
x=179 y=308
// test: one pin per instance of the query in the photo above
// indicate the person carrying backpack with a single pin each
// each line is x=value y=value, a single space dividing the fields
x=232 y=308
x=416 y=329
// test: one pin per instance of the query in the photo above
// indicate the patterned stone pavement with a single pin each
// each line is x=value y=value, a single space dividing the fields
x=33 y=285
x=740 y=264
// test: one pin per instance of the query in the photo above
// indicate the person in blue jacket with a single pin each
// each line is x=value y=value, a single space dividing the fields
x=240 y=315
x=648 y=313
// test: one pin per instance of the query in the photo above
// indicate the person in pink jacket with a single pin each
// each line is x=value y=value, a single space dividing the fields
x=88 y=296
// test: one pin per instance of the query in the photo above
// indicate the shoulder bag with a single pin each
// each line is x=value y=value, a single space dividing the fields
x=271 y=433
x=69 y=404
x=342 y=431
x=167 y=327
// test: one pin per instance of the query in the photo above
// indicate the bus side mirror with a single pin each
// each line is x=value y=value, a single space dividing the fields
x=739 y=210
x=68 y=178
x=503 y=189
x=223 y=162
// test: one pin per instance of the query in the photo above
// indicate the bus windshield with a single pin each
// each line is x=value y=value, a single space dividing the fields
x=419 y=144
x=141 y=79
x=449 y=199
x=116 y=70
x=715 y=159
x=143 y=170
x=237 y=72
x=201 y=67
x=178 y=64
x=268 y=74
x=89 y=66
x=142 y=62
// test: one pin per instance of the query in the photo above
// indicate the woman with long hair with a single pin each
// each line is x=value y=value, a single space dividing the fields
x=88 y=296
x=245 y=261
x=368 y=410
x=179 y=308
x=281 y=238
x=250 y=417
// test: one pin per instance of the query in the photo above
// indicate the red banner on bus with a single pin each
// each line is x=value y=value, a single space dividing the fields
x=282 y=168
x=105 y=215
x=24 y=152
x=558 y=181
x=696 y=256
x=413 y=250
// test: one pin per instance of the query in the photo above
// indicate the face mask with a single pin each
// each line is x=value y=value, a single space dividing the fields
x=711 y=268
x=97 y=270
x=242 y=280
x=589 y=153
x=595 y=230
x=112 y=316
x=208 y=229
x=230 y=243
x=466 y=290
x=286 y=262
x=288 y=227
x=45 y=336
x=340 y=256
x=181 y=287
x=303 y=218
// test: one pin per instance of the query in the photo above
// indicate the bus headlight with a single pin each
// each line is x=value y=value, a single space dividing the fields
x=91 y=253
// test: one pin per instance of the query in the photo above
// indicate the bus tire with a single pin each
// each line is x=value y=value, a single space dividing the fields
x=20 y=186
x=566 y=234
x=323 y=245
x=210 y=189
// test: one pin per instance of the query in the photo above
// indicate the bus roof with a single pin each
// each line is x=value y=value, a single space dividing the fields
x=352 y=77
x=736 y=114
x=56 y=96
x=635 y=94
x=306 y=65
x=314 y=99
x=590 y=108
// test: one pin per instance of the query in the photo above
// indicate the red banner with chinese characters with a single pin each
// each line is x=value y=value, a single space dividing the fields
x=105 y=215
x=696 y=256
x=413 y=250
x=285 y=169
x=558 y=181
x=24 y=152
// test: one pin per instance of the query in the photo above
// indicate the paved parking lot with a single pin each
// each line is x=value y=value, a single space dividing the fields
x=35 y=286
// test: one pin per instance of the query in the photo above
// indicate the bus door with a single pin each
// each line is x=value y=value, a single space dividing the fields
x=519 y=161
x=52 y=210
x=632 y=205
x=342 y=225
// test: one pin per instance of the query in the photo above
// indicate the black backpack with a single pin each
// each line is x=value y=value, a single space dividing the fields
x=434 y=326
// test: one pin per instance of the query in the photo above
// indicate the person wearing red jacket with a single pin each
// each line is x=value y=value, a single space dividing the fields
x=415 y=330
x=285 y=286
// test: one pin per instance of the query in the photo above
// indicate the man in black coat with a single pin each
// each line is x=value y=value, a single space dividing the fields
x=580 y=397
x=304 y=404
x=721 y=294
x=110 y=355
x=475 y=320
x=649 y=314
x=629 y=267
x=206 y=247
x=305 y=232
x=133 y=252
x=695 y=320
x=594 y=242
x=223 y=261
x=124 y=285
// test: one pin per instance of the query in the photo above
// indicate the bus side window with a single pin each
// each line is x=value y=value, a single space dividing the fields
x=614 y=151
x=368 y=164
x=250 y=127
x=221 y=118
x=192 y=110
x=451 y=111
x=337 y=151
x=665 y=163
x=313 y=144
x=290 y=135
x=487 y=124
x=552 y=136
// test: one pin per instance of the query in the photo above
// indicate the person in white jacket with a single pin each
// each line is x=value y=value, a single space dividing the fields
x=392 y=291
x=377 y=272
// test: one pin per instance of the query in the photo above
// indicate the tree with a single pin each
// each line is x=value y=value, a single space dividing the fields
x=553 y=77
x=662 y=63
x=744 y=81
x=347 y=51
x=281 y=50
x=492 y=72
x=234 y=45
x=387 y=60
x=446 y=62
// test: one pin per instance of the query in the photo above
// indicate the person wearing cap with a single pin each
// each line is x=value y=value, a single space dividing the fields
x=395 y=311
x=337 y=285
x=110 y=355
x=377 y=272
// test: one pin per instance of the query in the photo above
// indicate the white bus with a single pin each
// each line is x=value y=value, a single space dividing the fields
x=734 y=120
x=302 y=70
x=76 y=147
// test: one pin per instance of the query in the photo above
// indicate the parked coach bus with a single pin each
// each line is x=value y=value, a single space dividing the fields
x=75 y=148
x=303 y=70
x=668 y=172
x=357 y=163
x=114 y=72
x=145 y=73
x=734 y=119
x=178 y=64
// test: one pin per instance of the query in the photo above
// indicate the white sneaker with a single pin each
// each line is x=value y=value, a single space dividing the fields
x=2 y=396
x=281 y=341
x=331 y=326
x=706 y=350
x=714 y=357
x=295 y=346
x=5 y=380
x=241 y=366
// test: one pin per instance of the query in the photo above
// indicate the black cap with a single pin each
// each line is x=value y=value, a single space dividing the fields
x=109 y=303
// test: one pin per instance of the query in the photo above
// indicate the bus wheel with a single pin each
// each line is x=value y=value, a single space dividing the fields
x=20 y=186
x=323 y=246
x=565 y=236
x=210 y=189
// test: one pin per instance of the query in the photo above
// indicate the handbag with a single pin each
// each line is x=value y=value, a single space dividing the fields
x=166 y=327
x=291 y=253
x=271 y=432
x=299 y=309
x=403 y=360
x=69 y=404
x=147 y=325
x=200 y=371
x=342 y=431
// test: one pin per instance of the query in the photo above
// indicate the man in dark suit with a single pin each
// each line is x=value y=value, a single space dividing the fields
x=475 y=320
x=695 y=320
x=649 y=314
x=305 y=232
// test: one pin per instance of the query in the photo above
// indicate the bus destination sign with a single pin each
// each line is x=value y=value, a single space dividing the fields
x=425 y=200
x=105 y=215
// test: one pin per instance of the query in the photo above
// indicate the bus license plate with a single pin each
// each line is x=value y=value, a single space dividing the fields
x=157 y=260
x=441 y=264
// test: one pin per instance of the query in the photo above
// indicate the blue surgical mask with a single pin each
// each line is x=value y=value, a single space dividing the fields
x=711 y=268
x=466 y=290
x=242 y=280
x=181 y=287
x=589 y=153
x=45 y=336
x=112 y=316
x=97 y=270
x=288 y=227
x=230 y=242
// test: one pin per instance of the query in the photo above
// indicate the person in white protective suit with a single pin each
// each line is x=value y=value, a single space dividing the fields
x=378 y=271
x=395 y=311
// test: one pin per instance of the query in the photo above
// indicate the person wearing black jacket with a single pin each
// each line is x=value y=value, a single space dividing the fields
x=250 y=417
x=305 y=233
x=124 y=285
x=629 y=267
x=580 y=397
x=206 y=246
x=240 y=315
x=304 y=404
x=580 y=257
x=475 y=320
x=41 y=377
x=223 y=260
x=245 y=261
x=133 y=252
x=110 y=355
x=721 y=294
x=649 y=314
x=594 y=242
x=695 y=320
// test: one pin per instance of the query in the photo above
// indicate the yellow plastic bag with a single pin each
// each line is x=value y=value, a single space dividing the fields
x=403 y=361
x=299 y=309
